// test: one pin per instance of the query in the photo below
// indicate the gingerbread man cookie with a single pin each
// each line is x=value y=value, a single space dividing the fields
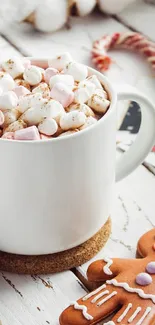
x=128 y=290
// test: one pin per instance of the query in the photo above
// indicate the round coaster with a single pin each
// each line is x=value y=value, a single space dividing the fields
x=51 y=263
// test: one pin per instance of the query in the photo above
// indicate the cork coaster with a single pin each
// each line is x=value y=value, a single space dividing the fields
x=51 y=263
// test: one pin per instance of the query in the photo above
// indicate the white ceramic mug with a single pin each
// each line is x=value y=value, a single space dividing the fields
x=56 y=194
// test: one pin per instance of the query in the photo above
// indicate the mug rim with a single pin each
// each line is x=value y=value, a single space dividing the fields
x=113 y=99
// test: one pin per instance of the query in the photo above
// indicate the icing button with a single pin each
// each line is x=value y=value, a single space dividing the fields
x=151 y=268
x=143 y=279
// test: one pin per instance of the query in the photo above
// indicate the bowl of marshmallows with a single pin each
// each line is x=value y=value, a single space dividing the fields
x=43 y=102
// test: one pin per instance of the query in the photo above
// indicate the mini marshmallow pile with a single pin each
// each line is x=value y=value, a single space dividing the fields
x=38 y=103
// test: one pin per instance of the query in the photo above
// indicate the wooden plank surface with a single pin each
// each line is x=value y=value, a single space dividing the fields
x=39 y=300
x=141 y=17
x=36 y=300
x=133 y=214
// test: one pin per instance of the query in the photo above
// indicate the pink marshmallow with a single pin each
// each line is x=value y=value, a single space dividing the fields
x=30 y=133
x=62 y=93
x=21 y=91
x=45 y=137
x=1 y=118
x=8 y=135
x=49 y=72
x=26 y=63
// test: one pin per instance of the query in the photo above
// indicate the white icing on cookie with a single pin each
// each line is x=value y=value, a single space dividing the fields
x=99 y=296
x=107 y=298
x=93 y=293
x=147 y=311
x=124 y=313
x=137 y=311
x=83 y=309
x=126 y=287
x=109 y=323
x=106 y=268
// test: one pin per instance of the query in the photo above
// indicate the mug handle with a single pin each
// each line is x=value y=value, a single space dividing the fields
x=145 y=138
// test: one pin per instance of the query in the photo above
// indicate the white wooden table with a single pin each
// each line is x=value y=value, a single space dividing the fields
x=39 y=300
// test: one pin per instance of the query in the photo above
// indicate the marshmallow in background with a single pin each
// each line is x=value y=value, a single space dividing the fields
x=66 y=79
x=60 y=61
x=11 y=116
x=8 y=100
x=48 y=126
x=77 y=70
x=21 y=91
x=33 y=75
x=43 y=89
x=6 y=82
x=17 y=125
x=62 y=93
x=30 y=133
x=49 y=72
x=72 y=120
x=89 y=122
x=14 y=67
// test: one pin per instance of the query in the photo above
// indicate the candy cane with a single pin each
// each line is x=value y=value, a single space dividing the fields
x=128 y=40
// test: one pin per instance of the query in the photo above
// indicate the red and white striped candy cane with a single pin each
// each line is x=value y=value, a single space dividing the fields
x=128 y=40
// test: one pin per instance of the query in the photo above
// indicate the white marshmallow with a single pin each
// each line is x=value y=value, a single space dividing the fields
x=29 y=101
x=89 y=121
x=72 y=120
x=81 y=95
x=8 y=100
x=21 y=91
x=89 y=86
x=48 y=126
x=32 y=116
x=77 y=70
x=6 y=82
x=102 y=93
x=33 y=75
x=95 y=81
x=60 y=61
x=17 y=125
x=99 y=103
x=66 y=79
x=81 y=108
x=43 y=89
x=84 y=7
x=53 y=109
x=11 y=116
x=50 y=15
x=14 y=67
